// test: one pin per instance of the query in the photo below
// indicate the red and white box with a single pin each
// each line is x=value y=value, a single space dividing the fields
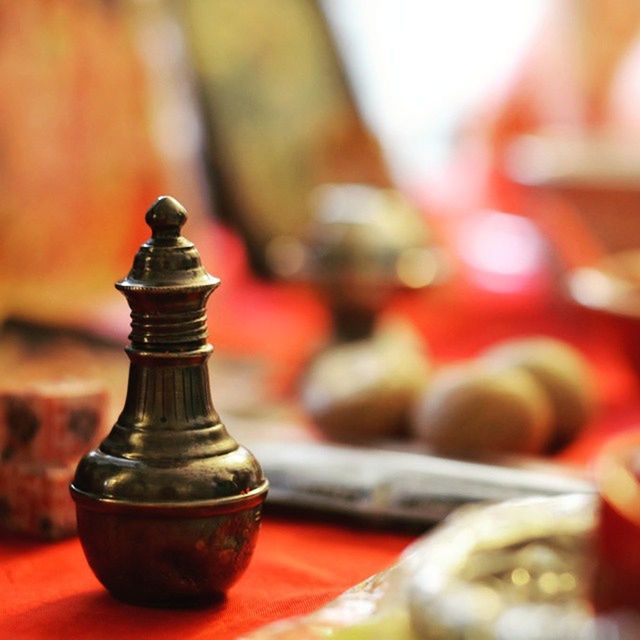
x=35 y=499
x=51 y=423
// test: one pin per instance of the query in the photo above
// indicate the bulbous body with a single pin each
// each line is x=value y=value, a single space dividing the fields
x=168 y=557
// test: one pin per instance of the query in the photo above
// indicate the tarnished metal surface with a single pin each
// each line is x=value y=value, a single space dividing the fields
x=169 y=504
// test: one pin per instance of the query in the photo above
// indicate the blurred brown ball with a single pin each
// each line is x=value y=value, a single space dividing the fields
x=561 y=371
x=468 y=410
x=364 y=390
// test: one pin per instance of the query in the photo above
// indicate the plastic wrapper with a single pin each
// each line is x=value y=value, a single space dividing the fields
x=517 y=570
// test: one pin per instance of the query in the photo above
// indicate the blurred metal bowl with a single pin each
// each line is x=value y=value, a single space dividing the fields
x=363 y=245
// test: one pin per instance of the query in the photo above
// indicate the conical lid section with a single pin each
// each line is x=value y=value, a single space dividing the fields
x=167 y=259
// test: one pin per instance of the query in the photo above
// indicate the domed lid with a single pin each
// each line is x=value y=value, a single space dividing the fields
x=167 y=260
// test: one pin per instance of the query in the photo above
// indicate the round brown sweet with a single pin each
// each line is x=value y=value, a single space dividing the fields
x=364 y=390
x=468 y=410
x=563 y=373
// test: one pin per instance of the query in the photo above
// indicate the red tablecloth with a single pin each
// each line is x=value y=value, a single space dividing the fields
x=48 y=591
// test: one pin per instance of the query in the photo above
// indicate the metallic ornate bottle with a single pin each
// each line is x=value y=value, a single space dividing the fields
x=169 y=504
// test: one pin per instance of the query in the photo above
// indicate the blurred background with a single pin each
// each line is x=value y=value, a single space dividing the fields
x=397 y=178
x=426 y=219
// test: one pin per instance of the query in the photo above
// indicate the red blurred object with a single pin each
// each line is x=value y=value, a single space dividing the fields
x=610 y=292
x=78 y=158
x=617 y=580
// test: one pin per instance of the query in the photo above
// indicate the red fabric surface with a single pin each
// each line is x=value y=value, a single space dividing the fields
x=48 y=590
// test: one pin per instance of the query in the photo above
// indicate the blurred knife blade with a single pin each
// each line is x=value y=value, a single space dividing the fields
x=395 y=486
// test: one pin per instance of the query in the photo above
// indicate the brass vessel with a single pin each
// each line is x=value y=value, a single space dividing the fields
x=169 y=504
x=363 y=246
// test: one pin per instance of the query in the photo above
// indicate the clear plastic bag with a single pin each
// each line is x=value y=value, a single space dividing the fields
x=517 y=570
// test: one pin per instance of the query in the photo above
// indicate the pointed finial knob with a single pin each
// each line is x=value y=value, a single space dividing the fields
x=166 y=217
